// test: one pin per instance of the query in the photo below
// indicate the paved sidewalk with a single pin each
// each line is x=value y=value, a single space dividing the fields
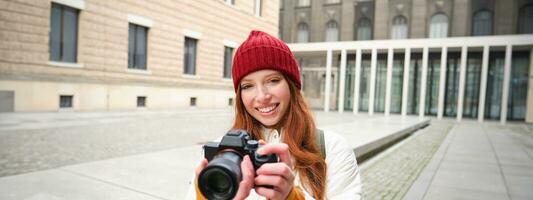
x=480 y=161
x=166 y=174
x=390 y=174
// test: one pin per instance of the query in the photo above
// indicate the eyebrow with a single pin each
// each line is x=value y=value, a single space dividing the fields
x=267 y=76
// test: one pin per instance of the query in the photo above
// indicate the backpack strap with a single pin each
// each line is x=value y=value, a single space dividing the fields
x=319 y=137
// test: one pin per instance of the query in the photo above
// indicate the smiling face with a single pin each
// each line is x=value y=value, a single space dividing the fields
x=266 y=96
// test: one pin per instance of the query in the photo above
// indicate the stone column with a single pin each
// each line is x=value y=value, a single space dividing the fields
x=529 y=108
x=483 y=84
x=357 y=81
x=329 y=58
x=442 y=81
x=342 y=80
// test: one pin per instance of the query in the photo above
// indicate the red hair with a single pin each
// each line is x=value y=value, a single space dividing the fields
x=299 y=134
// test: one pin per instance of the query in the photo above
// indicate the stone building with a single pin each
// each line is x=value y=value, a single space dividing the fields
x=88 y=55
x=413 y=36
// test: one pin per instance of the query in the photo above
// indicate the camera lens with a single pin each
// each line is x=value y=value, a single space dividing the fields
x=221 y=178
x=218 y=180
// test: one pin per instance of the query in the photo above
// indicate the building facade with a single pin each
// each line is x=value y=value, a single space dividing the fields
x=446 y=58
x=89 y=55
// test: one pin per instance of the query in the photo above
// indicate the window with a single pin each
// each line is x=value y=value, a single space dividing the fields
x=141 y=101
x=192 y=101
x=65 y=101
x=230 y=2
x=228 y=54
x=332 y=1
x=303 y=33
x=189 y=61
x=364 y=29
x=332 y=31
x=482 y=23
x=230 y=102
x=438 y=26
x=399 y=28
x=258 y=8
x=525 y=19
x=63 y=33
x=303 y=3
x=137 y=46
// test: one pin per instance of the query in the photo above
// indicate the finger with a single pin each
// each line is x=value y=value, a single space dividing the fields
x=280 y=149
x=262 y=142
x=200 y=167
x=247 y=168
x=247 y=181
x=277 y=182
x=278 y=169
x=268 y=193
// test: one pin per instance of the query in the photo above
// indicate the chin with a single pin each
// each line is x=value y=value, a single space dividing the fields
x=268 y=123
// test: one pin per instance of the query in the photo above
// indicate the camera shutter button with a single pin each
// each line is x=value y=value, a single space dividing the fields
x=252 y=144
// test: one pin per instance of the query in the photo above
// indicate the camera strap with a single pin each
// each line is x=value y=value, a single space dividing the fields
x=319 y=137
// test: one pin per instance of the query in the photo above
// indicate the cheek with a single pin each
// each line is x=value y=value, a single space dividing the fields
x=247 y=100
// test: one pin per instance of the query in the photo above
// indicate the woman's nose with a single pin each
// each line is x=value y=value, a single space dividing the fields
x=263 y=94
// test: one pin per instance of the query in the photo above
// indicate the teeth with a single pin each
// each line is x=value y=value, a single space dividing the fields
x=266 y=109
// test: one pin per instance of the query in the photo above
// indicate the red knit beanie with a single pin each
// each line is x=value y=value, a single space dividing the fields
x=263 y=51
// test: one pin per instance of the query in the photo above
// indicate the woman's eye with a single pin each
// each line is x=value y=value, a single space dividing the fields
x=244 y=87
x=274 y=80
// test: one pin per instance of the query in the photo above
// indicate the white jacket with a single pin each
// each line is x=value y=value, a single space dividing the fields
x=343 y=180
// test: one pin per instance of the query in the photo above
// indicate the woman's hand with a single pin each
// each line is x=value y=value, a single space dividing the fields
x=279 y=175
x=247 y=181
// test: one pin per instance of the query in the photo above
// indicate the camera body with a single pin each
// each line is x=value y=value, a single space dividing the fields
x=221 y=177
x=238 y=141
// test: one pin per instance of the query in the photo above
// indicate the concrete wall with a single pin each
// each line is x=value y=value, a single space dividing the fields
x=101 y=69
x=417 y=12
x=44 y=96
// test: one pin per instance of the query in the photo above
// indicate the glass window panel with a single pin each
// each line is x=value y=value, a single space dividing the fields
x=332 y=31
x=482 y=23
x=438 y=26
x=451 y=90
x=140 y=48
x=304 y=2
x=397 y=84
x=472 y=84
x=364 y=84
x=65 y=101
x=131 y=46
x=415 y=71
x=493 y=95
x=380 y=83
x=303 y=33
x=518 y=86
x=332 y=1
x=70 y=29
x=525 y=19
x=55 y=33
x=228 y=52
x=364 y=29
x=432 y=84
x=349 y=82
x=190 y=56
x=399 y=28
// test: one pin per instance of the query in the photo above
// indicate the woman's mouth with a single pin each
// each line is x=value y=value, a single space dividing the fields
x=267 y=109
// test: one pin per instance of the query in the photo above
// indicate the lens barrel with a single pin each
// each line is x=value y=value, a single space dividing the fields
x=220 y=179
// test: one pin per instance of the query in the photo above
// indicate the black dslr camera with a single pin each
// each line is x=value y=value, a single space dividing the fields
x=221 y=177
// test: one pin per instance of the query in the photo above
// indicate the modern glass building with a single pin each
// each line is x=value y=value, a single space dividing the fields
x=443 y=58
x=481 y=77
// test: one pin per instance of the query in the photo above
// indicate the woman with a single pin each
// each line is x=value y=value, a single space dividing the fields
x=269 y=105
